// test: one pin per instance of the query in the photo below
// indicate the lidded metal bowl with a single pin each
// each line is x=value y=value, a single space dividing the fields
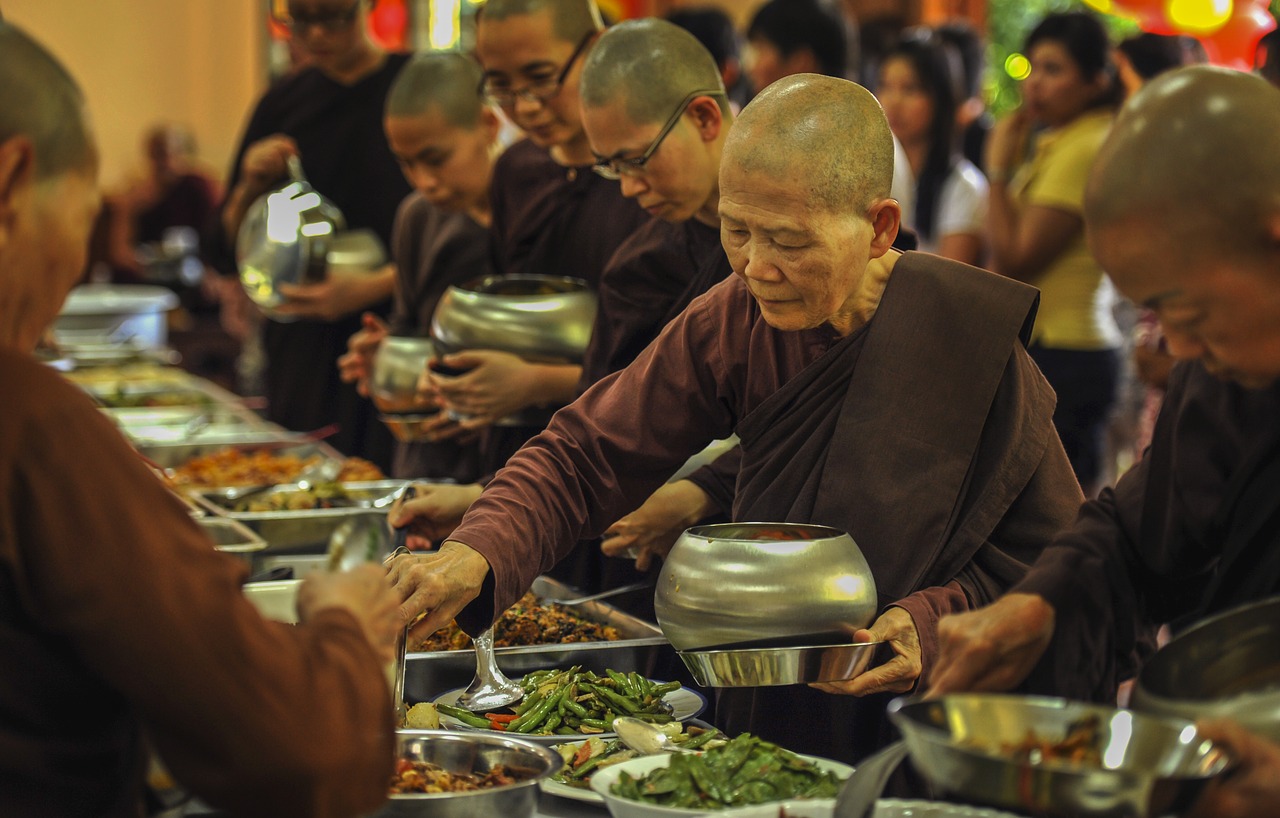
x=539 y=318
x=974 y=746
x=1226 y=666
x=732 y=583
x=473 y=753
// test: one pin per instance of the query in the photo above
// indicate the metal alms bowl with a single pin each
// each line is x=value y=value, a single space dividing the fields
x=473 y=753
x=1225 y=666
x=753 y=582
x=393 y=384
x=964 y=744
x=775 y=666
x=539 y=318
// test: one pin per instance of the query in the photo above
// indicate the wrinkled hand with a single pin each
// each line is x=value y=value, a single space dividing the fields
x=1252 y=790
x=1008 y=143
x=899 y=674
x=267 y=160
x=497 y=384
x=652 y=529
x=440 y=583
x=992 y=648
x=357 y=365
x=434 y=513
x=366 y=593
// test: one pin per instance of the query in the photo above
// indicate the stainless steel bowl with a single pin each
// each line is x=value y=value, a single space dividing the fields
x=748 y=582
x=393 y=384
x=1226 y=666
x=539 y=318
x=408 y=428
x=1150 y=766
x=473 y=753
x=773 y=666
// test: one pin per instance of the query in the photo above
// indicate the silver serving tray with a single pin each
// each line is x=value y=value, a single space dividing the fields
x=642 y=648
x=303 y=531
x=231 y=536
x=170 y=454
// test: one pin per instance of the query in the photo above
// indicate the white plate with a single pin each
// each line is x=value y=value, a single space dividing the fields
x=892 y=808
x=556 y=788
x=685 y=704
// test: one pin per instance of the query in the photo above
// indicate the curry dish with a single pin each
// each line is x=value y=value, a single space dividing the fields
x=424 y=777
x=528 y=622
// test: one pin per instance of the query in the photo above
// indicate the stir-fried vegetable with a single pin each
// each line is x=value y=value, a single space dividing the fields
x=573 y=702
x=583 y=759
x=745 y=771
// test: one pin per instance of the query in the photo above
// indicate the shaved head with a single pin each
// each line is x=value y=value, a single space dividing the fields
x=571 y=20
x=651 y=65
x=1193 y=152
x=40 y=100
x=827 y=131
x=448 y=81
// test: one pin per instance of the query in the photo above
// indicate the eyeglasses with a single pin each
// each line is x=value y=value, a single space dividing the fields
x=539 y=90
x=330 y=21
x=615 y=167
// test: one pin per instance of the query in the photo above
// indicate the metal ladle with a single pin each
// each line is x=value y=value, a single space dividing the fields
x=489 y=689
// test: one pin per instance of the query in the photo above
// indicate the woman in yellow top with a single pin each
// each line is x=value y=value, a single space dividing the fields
x=1037 y=161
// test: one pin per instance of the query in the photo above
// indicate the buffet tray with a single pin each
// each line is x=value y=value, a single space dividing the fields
x=231 y=536
x=302 y=531
x=162 y=388
x=642 y=648
x=172 y=453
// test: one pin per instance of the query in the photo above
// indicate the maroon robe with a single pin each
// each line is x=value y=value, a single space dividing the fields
x=1193 y=529
x=122 y=628
x=549 y=219
x=433 y=250
x=927 y=435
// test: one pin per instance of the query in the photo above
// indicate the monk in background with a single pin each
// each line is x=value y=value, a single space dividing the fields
x=1189 y=228
x=885 y=394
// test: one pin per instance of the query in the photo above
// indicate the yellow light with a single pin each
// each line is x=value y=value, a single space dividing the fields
x=1199 y=16
x=1017 y=66
x=1104 y=6
x=444 y=24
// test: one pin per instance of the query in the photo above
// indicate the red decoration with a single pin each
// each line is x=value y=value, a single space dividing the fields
x=389 y=24
x=1234 y=44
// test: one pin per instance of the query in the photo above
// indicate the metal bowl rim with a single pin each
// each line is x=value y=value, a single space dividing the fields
x=779 y=651
x=471 y=286
x=706 y=532
x=551 y=761
x=943 y=739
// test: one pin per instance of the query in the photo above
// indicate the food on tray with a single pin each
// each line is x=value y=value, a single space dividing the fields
x=140 y=399
x=422 y=716
x=742 y=772
x=1083 y=745
x=238 y=467
x=321 y=495
x=528 y=622
x=583 y=758
x=425 y=777
x=573 y=702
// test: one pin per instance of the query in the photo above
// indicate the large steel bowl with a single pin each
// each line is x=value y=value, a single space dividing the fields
x=1226 y=666
x=539 y=318
x=472 y=753
x=726 y=584
x=1150 y=766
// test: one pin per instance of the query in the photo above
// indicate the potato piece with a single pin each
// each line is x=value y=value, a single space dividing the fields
x=422 y=716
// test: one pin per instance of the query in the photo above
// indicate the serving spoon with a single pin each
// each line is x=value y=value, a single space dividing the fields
x=645 y=737
x=490 y=689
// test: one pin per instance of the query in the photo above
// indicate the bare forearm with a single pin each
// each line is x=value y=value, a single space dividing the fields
x=1002 y=228
x=554 y=384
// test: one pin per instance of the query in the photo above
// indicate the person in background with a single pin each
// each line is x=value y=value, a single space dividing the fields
x=788 y=37
x=329 y=115
x=1144 y=56
x=884 y=394
x=715 y=31
x=1266 y=60
x=973 y=120
x=1038 y=159
x=144 y=642
x=918 y=93
x=1191 y=229
x=446 y=140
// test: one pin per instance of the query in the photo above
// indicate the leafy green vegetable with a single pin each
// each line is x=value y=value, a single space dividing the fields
x=745 y=771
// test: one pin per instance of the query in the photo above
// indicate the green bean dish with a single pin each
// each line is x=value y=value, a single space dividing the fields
x=743 y=772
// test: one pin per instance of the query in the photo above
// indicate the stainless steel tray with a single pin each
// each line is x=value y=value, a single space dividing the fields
x=172 y=453
x=303 y=531
x=231 y=536
x=642 y=648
